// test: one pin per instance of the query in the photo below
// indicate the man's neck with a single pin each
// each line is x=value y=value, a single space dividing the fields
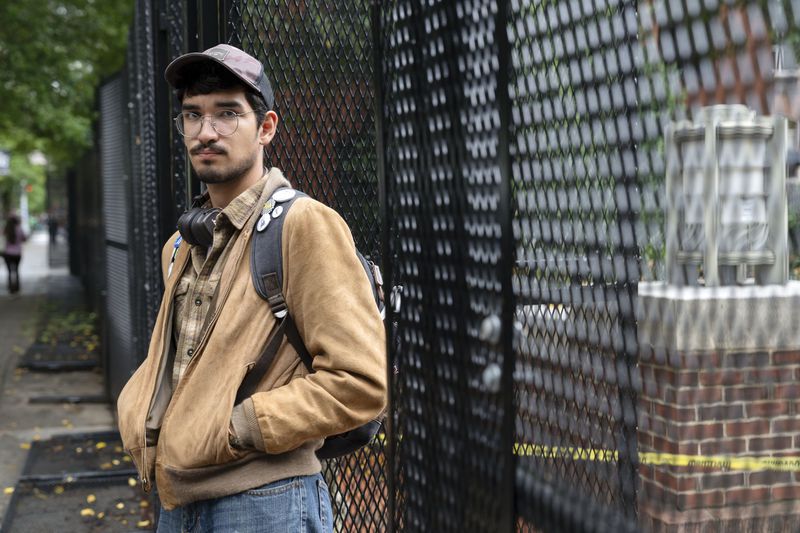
x=221 y=194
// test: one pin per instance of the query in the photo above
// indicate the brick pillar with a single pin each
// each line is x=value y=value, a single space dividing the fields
x=720 y=377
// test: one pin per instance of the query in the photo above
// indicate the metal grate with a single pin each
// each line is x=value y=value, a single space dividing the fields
x=317 y=57
x=441 y=134
x=176 y=17
x=572 y=85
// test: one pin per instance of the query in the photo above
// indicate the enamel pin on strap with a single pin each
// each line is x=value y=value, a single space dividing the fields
x=174 y=254
x=272 y=209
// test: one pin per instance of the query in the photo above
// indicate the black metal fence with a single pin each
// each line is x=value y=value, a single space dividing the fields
x=505 y=161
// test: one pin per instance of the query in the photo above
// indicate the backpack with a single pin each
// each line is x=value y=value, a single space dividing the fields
x=266 y=268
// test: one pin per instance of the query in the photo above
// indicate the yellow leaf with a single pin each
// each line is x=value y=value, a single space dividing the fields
x=131 y=482
x=144 y=503
x=120 y=505
x=115 y=462
x=8 y=490
x=25 y=445
x=87 y=512
x=59 y=490
x=101 y=514
x=100 y=445
x=143 y=523
x=91 y=498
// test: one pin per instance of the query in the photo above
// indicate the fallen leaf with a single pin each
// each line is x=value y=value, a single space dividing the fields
x=120 y=505
x=25 y=445
x=143 y=523
x=87 y=512
x=115 y=462
x=144 y=503
x=91 y=498
x=100 y=445
x=101 y=514
x=8 y=490
x=59 y=490
x=132 y=482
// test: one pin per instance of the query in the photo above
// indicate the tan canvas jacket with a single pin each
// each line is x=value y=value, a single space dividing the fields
x=180 y=438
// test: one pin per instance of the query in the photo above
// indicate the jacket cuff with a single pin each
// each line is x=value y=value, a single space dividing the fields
x=246 y=432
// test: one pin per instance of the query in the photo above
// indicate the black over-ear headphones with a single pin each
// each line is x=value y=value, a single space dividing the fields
x=196 y=225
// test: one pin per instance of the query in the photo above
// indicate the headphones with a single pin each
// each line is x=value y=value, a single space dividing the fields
x=196 y=225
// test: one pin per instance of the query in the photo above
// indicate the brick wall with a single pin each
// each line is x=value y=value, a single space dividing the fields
x=718 y=403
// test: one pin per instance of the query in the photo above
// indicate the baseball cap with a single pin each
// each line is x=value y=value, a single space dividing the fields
x=242 y=65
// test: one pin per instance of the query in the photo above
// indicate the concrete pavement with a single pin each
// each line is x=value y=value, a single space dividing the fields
x=22 y=422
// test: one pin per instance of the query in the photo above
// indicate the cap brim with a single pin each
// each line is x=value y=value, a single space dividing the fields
x=173 y=71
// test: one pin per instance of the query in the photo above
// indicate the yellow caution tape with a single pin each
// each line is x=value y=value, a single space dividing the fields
x=716 y=462
x=720 y=462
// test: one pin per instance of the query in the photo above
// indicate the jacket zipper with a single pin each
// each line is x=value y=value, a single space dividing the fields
x=146 y=485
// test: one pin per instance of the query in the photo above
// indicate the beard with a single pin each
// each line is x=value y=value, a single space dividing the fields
x=210 y=173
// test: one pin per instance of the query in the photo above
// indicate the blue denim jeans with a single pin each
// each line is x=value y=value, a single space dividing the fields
x=295 y=505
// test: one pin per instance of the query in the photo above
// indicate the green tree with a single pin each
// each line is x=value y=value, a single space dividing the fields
x=54 y=53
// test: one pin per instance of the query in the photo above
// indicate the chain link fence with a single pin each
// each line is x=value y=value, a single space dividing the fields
x=585 y=341
x=318 y=57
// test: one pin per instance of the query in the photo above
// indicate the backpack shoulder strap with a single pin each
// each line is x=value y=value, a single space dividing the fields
x=266 y=256
x=266 y=266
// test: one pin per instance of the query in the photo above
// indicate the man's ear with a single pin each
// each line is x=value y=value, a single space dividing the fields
x=268 y=128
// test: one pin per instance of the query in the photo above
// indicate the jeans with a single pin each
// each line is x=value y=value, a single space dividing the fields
x=295 y=505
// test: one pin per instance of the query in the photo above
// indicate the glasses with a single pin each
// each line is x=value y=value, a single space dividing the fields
x=224 y=122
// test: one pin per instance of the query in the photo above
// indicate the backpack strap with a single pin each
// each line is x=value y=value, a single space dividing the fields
x=266 y=253
x=266 y=266
x=250 y=382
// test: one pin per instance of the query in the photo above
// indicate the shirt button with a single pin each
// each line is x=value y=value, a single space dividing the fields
x=190 y=351
x=198 y=302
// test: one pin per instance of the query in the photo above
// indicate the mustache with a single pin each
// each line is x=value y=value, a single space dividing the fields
x=208 y=148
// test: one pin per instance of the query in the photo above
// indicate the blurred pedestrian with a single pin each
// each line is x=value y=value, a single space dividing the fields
x=52 y=227
x=13 y=250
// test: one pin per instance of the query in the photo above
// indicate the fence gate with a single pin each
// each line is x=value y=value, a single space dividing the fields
x=517 y=333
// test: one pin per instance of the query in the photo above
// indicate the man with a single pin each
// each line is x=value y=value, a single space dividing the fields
x=252 y=466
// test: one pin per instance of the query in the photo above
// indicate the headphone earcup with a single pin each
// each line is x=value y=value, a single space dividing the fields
x=185 y=223
x=196 y=225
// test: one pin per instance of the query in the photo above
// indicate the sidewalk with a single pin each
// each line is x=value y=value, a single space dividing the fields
x=22 y=422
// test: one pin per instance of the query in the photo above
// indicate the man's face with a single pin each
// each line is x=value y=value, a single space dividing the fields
x=217 y=158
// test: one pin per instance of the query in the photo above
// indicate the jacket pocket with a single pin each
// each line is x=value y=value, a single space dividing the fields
x=195 y=432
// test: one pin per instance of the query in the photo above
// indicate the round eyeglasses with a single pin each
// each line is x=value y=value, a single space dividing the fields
x=225 y=123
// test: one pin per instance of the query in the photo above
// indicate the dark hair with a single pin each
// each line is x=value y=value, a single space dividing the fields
x=11 y=229
x=206 y=77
